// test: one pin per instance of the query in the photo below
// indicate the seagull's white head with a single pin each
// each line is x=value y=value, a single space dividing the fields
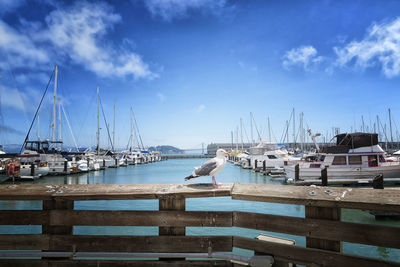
x=221 y=153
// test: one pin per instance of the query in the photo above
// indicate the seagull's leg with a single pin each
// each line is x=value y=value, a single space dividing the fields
x=215 y=183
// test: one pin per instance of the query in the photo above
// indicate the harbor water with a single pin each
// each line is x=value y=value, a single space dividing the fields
x=172 y=172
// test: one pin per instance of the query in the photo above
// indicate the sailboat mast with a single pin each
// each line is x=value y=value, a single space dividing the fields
x=98 y=121
x=113 y=143
x=390 y=125
x=269 y=131
x=294 y=128
x=59 y=123
x=54 y=107
x=38 y=132
x=131 y=138
x=241 y=131
x=251 y=128
x=301 y=132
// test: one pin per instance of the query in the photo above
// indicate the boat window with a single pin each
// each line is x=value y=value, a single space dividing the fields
x=271 y=157
x=322 y=158
x=381 y=158
x=355 y=160
x=339 y=160
x=315 y=165
x=372 y=161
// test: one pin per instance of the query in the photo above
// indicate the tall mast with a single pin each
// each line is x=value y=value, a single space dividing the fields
x=269 y=131
x=301 y=131
x=362 y=120
x=294 y=128
x=379 y=131
x=38 y=136
x=59 y=123
x=251 y=128
x=113 y=143
x=54 y=107
x=231 y=140
x=241 y=131
x=390 y=125
x=237 y=138
x=130 y=116
x=98 y=121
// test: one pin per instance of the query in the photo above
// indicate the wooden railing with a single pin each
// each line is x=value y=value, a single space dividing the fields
x=322 y=225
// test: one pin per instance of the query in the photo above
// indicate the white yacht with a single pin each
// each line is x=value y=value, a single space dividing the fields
x=355 y=155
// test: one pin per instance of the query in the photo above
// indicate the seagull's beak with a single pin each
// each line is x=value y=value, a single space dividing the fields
x=227 y=154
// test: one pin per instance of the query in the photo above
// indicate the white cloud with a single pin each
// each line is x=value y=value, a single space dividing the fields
x=161 y=97
x=171 y=9
x=79 y=34
x=304 y=56
x=200 y=108
x=380 y=47
x=20 y=50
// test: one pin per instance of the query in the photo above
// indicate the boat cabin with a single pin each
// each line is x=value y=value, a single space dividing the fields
x=43 y=146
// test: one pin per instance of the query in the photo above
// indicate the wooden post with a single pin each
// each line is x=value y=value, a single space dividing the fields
x=264 y=165
x=249 y=161
x=104 y=163
x=33 y=169
x=333 y=214
x=297 y=172
x=56 y=204
x=324 y=176
x=172 y=202
x=377 y=182
x=255 y=164
x=65 y=166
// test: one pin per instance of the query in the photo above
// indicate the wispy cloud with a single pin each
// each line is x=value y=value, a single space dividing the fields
x=178 y=9
x=304 y=56
x=161 y=97
x=200 y=108
x=10 y=5
x=79 y=34
x=380 y=47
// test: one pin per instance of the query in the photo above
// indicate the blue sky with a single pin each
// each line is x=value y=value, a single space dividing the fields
x=192 y=68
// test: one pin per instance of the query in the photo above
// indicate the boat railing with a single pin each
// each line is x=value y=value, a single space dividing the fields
x=58 y=244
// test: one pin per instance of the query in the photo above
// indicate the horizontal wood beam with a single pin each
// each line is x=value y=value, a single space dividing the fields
x=331 y=197
x=116 y=218
x=307 y=256
x=113 y=263
x=377 y=235
x=95 y=243
x=110 y=191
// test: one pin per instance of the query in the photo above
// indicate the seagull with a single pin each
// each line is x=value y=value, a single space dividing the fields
x=210 y=167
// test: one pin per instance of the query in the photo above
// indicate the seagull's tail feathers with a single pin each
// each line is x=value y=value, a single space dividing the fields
x=190 y=177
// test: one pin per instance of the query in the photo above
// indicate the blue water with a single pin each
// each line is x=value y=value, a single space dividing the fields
x=174 y=171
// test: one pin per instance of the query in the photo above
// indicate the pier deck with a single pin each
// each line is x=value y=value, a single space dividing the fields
x=321 y=226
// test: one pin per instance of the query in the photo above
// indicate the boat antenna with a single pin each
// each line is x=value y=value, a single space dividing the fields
x=37 y=111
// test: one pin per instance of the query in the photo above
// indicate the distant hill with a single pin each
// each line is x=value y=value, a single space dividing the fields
x=167 y=149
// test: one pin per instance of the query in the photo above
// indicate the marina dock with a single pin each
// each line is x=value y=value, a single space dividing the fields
x=58 y=244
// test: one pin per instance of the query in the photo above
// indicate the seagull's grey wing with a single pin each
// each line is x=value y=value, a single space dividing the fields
x=206 y=168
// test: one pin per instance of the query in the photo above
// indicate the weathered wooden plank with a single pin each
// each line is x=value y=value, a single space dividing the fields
x=140 y=218
x=57 y=204
x=110 y=192
x=23 y=217
x=329 y=214
x=172 y=203
x=112 y=263
x=308 y=256
x=334 y=197
x=116 y=218
x=17 y=242
x=94 y=243
x=376 y=235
